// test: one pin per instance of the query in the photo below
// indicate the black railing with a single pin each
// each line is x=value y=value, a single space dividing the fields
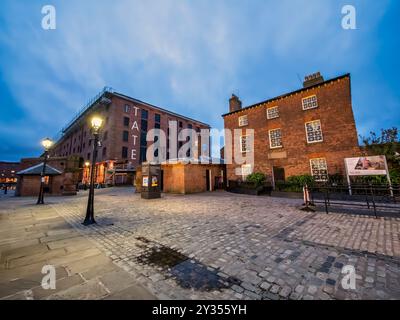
x=368 y=196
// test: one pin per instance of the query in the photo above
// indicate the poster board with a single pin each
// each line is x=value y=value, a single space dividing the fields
x=366 y=166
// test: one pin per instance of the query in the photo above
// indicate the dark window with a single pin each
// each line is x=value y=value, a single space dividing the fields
x=145 y=114
x=198 y=129
x=190 y=126
x=84 y=145
x=157 y=125
x=125 y=136
x=143 y=125
x=124 y=152
x=126 y=121
x=180 y=124
x=73 y=150
x=157 y=117
x=143 y=154
x=90 y=142
x=143 y=141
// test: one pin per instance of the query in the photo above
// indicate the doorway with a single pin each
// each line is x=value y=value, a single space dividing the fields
x=208 y=188
x=279 y=174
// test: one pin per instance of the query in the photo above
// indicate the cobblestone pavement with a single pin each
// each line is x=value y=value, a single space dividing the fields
x=227 y=246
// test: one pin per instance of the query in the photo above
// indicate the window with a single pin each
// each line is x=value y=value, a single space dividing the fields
x=319 y=169
x=190 y=126
x=313 y=131
x=124 y=152
x=157 y=117
x=310 y=102
x=145 y=114
x=125 y=136
x=157 y=126
x=272 y=113
x=243 y=121
x=143 y=125
x=275 y=138
x=143 y=154
x=127 y=108
x=180 y=124
x=246 y=170
x=245 y=144
x=126 y=121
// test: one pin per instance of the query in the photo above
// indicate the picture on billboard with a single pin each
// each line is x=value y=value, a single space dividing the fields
x=145 y=182
x=366 y=166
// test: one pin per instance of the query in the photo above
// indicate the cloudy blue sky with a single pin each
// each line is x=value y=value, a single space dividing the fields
x=188 y=56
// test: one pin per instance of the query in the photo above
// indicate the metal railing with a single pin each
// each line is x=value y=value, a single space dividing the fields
x=86 y=107
x=367 y=196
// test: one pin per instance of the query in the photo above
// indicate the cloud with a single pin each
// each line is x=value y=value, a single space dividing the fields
x=188 y=56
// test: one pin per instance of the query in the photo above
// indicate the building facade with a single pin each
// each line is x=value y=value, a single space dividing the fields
x=8 y=171
x=123 y=135
x=308 y=131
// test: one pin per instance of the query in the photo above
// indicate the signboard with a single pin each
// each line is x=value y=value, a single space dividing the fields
x=154 y=181
x=366 y=166
x=145 y=182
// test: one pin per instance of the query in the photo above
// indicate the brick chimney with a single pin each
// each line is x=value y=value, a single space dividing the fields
x=313 y=79
x=234 y=103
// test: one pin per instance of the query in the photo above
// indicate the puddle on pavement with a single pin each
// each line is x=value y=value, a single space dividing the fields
x=188 y=273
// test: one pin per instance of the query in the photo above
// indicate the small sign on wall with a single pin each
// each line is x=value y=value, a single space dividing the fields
x=154 y=181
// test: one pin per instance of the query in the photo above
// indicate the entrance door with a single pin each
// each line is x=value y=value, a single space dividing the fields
x=208 y=180
x=279 y=174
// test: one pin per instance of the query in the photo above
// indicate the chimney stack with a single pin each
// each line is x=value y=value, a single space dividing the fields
x=234 y=104
x=313 y=79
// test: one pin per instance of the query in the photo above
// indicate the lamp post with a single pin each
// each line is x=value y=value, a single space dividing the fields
x=46 y=143
x=96 y=125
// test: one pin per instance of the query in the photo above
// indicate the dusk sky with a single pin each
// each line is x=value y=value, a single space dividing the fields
x=188 y=57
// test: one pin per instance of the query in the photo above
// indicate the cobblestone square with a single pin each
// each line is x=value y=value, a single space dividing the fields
x=203 y=246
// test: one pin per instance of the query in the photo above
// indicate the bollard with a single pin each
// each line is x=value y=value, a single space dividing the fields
x=306 y=197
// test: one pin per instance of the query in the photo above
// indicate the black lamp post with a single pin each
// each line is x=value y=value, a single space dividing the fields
x=96 y=125
x=46 y=143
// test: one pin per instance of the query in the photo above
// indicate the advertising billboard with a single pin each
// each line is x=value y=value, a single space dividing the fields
x=366 y=166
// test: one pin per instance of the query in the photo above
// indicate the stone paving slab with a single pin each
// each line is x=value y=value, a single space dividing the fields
x=33 y=236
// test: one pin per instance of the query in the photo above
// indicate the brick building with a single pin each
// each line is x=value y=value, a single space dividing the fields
x=307 y=131
x=8 y=171
x=123 y=135
x=61 y=176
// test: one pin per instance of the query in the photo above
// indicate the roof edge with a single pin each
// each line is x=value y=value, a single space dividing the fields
x=346 y=75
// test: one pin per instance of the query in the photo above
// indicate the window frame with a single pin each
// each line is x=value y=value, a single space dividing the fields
x=308 y=97
x=241 y=144
x=326 y=169
x=127 y=108
x=273 y=108
x=240 y=122
x=270 y=140
x=322 y=135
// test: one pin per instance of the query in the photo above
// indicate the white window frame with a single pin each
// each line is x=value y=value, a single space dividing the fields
x=270 y=109
x=242 y=122
x=326 y=168
x=322 y=136
x=127 y=108
x=309 y=97
x=241 y=144
x=270 y=140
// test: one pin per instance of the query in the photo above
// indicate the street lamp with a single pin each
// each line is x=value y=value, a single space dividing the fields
x=46 y=143
x=96 y=123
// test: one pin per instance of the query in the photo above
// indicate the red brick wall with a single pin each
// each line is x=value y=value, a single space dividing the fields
x=78 y=139
x=337 y=123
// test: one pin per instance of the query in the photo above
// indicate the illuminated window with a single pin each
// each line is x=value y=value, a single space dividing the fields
x=243 y=121
x=273 y=113
x=319 y=169
x=314 y=131
x=310 y=102
x=275 y=138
